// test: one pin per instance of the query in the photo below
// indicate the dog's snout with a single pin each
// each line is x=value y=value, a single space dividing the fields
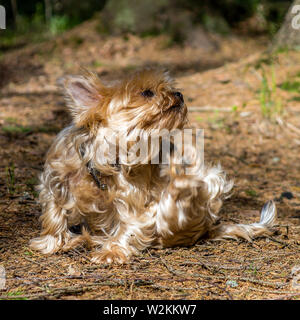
x=179 y=96
x=178 y=101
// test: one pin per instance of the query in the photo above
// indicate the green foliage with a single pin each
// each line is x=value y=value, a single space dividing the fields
x=273 y=13
x=297 y=99
x=15 y=129
x=31 y=25
x=234 y=108
x=11 y=120
x=15 y=295
x=251 y=193
x=134 y=16
x=31 y=183
x=125 y=16
x=268 y=60
x=270 y=102
x=58 y=24
x=28 y=253
x=291 y=86
x=253 y=269
x=215 y=24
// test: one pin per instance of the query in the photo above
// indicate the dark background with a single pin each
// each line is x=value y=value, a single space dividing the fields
x=35 y=20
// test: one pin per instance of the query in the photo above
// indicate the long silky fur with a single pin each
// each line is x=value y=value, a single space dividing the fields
x=144 y=204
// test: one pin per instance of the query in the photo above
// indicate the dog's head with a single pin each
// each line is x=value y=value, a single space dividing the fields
x=146 y=100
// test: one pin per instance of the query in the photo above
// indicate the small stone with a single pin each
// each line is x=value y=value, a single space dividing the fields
x=232 y=283
x=26 y=196
x=245 y=114
x=275 y=159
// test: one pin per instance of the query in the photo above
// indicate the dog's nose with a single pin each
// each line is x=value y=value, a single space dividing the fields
x=179 y=96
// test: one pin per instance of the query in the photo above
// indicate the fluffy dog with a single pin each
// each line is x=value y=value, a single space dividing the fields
x=123 y=207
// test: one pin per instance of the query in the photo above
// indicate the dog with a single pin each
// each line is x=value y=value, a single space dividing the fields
x=124 y=208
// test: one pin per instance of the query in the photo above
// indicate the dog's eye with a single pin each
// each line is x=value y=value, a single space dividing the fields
x=148 y=93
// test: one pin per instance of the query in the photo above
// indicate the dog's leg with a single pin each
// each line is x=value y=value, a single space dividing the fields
x=54 y=232
x=55 y=201
x=131 y=235
x=117 y=248
x=248 y=231
x=182 y=215
x=188 y=206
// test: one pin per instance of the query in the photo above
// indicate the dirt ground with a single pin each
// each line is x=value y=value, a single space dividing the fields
x=222 y=86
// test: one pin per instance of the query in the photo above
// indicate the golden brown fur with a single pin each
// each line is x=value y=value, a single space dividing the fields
x=143 y=204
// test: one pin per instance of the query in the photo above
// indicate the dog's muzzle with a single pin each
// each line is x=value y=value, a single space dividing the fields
x=179 y=102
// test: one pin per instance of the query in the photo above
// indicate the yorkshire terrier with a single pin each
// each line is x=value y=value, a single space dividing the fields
x=122 y=207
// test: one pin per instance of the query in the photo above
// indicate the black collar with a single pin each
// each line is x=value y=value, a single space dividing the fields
x=96 y=174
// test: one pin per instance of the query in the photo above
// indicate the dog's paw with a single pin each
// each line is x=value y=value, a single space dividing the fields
x=183 y=185
x=47 y=244
x=186 y=165
x=115 y=254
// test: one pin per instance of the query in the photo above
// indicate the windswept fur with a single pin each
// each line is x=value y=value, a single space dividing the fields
x=143 y=204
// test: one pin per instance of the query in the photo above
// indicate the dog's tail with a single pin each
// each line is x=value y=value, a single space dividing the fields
x=248 y=231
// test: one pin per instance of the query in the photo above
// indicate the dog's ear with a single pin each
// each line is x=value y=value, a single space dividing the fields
x=84 y=99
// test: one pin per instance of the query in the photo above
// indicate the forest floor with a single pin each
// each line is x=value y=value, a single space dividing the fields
x=223 y=86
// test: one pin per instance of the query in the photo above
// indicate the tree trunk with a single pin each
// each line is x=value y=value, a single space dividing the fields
x=48 y=11
x=289 y=34
x=15 y=11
